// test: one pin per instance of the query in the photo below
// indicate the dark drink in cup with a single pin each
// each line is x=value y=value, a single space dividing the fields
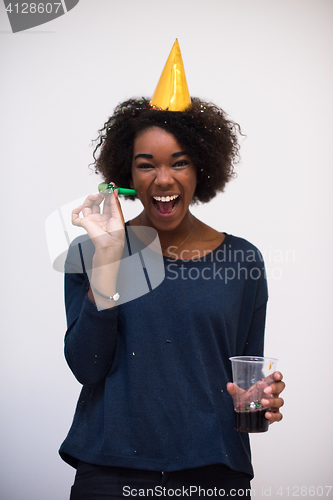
x=251 y=420
x=251 y=376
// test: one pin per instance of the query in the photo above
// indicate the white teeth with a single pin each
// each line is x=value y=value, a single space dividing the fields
x=165 y=198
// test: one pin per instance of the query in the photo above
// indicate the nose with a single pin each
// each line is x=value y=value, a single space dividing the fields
x=164 y=177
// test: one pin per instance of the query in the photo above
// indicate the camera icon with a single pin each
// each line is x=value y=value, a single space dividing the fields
x=141 y=268
x=24 y=15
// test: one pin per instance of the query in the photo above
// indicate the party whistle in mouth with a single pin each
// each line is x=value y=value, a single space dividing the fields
x=105 y=188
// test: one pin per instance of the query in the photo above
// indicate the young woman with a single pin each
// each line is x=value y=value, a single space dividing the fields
x=156 y=407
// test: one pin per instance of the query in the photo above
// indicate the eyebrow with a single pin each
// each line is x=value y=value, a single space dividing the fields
x=143 y=155
x=181 y=153
x=174 y=155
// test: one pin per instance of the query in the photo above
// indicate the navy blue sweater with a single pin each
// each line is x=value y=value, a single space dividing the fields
x=154 y=370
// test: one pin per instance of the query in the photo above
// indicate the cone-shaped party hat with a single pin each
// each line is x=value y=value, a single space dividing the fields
x=172 y=92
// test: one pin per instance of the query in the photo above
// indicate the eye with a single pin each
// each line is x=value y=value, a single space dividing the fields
x=144 y=166
x=181 y=164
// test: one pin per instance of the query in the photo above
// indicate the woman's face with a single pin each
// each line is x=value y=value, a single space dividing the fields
x=164 y=177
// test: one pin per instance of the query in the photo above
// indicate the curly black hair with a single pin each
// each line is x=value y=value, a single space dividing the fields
x=203 y=130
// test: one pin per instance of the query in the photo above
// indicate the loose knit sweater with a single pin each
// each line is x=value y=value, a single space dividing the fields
x=154 y=369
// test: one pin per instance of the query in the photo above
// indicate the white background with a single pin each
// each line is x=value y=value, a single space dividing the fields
x=268 y=63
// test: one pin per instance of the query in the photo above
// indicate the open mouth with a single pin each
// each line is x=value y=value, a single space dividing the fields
x=166 y=205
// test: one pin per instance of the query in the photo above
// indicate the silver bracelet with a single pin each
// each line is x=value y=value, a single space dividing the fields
x=115 y=297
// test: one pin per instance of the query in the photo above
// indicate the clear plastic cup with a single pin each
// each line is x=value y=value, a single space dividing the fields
x=251 y=375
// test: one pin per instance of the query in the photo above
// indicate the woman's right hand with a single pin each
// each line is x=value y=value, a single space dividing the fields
x=105 y=228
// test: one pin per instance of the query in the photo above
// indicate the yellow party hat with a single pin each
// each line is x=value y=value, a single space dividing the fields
x=172 y=92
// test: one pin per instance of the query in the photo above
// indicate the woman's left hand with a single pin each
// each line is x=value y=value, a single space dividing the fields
x=274 y=401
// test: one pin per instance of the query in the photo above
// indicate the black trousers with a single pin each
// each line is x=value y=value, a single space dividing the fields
x=96 y=482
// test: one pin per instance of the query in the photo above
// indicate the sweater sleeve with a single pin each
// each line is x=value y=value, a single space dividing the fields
x=91 y=336
x=254 y=345
x=255 y=340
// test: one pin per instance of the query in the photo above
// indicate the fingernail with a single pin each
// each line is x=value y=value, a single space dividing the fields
x=267 y=390
x=265 y=402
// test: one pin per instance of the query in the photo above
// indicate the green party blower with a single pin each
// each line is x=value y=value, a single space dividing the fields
x=105 y=188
